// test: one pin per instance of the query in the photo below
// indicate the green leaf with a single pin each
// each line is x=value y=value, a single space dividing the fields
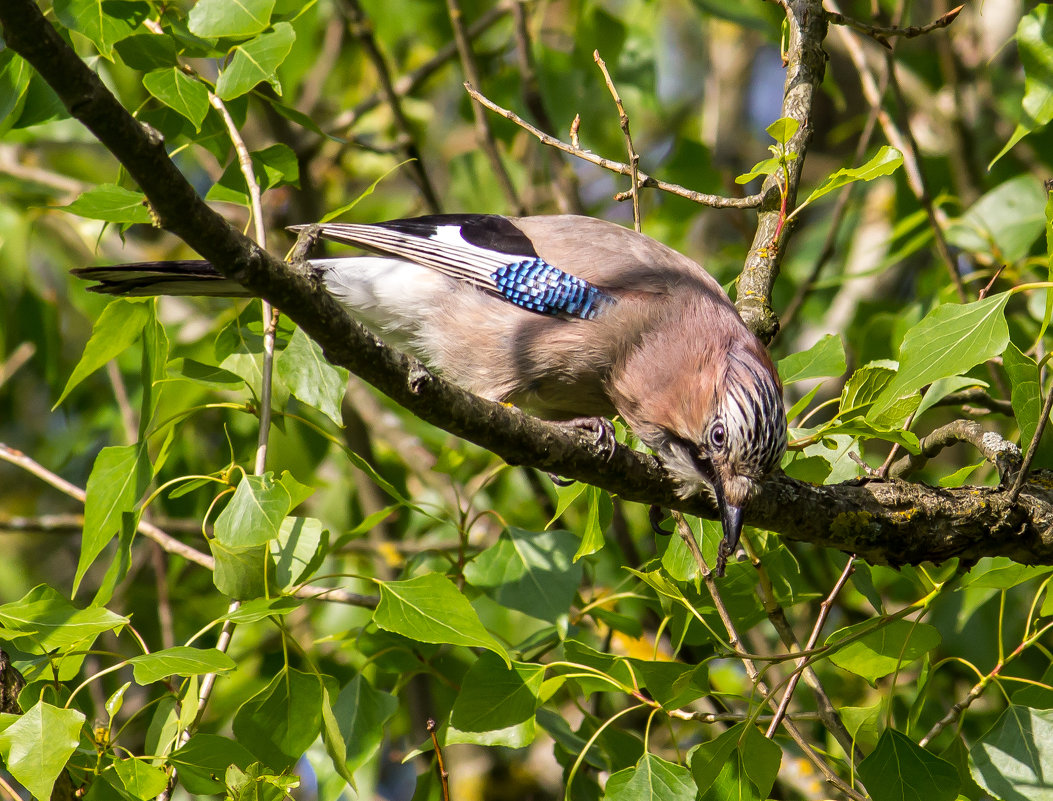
x=310 y=377
x=949 y=340
x=254 y=515
x=208 y=375
x=885 y=162
x=883 y=650
x=597 y=520
x=15 y=75
x=204 y=759
x=533 y=572
x=864 y=387
x=825 y=359
x=899 y=769
x=256 y=61
x=429 y=608
x=50 y=622
x=299 y=550
x=1026 y=393
x=1033 y=37
x=262 y=608
x=243 y=573
x=119 y=325
x=148 y=51
x=281 y=721
x=111 y=203
x=741 y=763
x=651 y=779
x=497 y=698
x=942 y=387
x=212 y=19
x=139 y=778
x=273 y=166
x=766 y=167
x=35 y=747
x=362 y=713
x=256 y=783
x=180 y=660
x=1005 y=222
x=783 y=129
x=179 y=92
x=960 y=476
x=118 y=479
x=1001 y=573
x=104 y=22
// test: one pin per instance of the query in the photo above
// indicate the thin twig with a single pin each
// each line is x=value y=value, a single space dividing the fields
x=716 y=201
x=566 y=185
x=820 y=621
x=170 y=544
x=997 y=450
x=837 y=215
x=684 y=530
x=363 y=31
x=977 y=690
x=483 y=135
x=410 y=82
x=444 y=775
x=18 y=358
x=827 y=711
x=1021 y=477
x=903 y=140
x=882 y=33
x=623 y=121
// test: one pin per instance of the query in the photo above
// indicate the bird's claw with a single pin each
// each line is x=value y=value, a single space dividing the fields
x=655 y=516
x=602 y=430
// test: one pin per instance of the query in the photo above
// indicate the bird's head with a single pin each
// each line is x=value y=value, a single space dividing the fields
x=719 y=430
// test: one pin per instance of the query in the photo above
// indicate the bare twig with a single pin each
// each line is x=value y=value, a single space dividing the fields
x=994 y=448
x=410 y=82
x=882 y=33
x=903 y=140
x=836 y=216
x=979 y=397
x=444 y=775
x=170 y=544
x=735 y=639
x=567 y=186
x=623 y=121
x=824 y=612
x=484 y=136
x=977 y=690
x=363 y=31
x=18 y=358
x=716 y=201
x=1014 y=493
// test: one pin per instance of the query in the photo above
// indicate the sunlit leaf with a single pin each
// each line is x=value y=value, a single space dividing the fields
x=899 y=768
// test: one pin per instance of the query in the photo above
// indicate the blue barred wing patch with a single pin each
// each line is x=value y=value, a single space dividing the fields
x=536 y=285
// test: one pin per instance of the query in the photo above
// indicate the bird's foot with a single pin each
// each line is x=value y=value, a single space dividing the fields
x=724 y=552
x=602 y=430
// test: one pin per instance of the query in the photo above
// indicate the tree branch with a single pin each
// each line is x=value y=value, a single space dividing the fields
x=806 y=64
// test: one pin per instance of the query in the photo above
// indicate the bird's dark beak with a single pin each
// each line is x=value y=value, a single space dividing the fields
x=731 y=519
x=731 y=522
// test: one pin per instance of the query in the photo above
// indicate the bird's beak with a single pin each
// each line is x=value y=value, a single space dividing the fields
x=731 y=521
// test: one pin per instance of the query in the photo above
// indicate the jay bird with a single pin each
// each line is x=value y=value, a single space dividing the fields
x=567 y=317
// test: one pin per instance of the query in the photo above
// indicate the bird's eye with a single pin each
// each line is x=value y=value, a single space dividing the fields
x=718 y=437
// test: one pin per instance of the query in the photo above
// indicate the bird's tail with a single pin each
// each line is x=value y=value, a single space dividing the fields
x=145 y=279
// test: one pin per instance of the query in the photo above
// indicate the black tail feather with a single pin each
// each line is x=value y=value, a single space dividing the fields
x=149 y=278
